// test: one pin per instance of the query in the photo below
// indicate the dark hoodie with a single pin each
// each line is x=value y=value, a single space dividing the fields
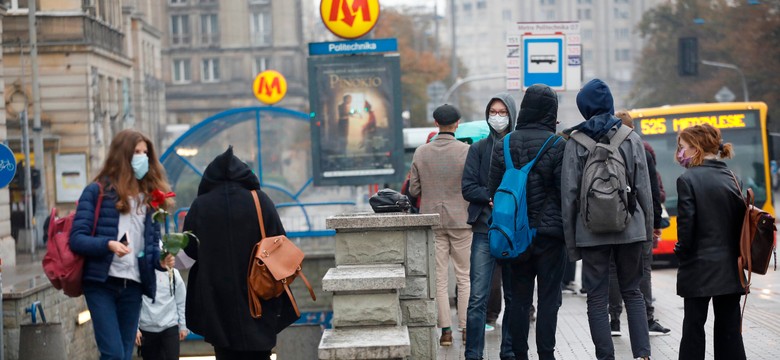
x=597 y=107
x=536 y=121
x=224 y=218
x=475 y=173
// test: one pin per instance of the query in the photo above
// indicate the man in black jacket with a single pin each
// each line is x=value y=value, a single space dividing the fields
x=535 y=124
x=500 y=116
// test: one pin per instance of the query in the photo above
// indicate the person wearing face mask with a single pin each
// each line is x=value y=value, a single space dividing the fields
x=536 y=122
x=500 y=116
x=710 y=209
x=122 y=248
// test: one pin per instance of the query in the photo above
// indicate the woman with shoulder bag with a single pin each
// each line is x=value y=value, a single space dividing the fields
x=121 y=249
x=710 y=211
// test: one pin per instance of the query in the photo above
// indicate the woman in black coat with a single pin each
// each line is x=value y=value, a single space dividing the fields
x=709 y=221
x=224 y=218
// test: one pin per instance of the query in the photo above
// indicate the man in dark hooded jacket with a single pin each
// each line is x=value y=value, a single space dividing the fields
x=596 y=105
x=535 y=124
x=500 y=115
x=224 y=218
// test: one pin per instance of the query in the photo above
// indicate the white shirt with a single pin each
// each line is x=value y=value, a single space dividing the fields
x=132 y=223
x=166 y=311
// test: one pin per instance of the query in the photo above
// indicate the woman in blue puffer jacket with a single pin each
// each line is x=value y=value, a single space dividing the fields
x=122 y=248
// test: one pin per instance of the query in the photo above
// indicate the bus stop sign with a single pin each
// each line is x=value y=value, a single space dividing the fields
x=7 y=166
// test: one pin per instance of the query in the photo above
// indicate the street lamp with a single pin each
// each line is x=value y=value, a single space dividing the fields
x=19 y=106
x=732 y=67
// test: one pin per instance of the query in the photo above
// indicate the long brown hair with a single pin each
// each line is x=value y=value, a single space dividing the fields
x=706 y=140
x=118 y=173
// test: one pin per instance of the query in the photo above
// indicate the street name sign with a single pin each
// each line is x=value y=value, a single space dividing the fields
x=353 y=47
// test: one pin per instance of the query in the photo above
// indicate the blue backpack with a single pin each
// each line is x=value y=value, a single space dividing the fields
x=510 y=234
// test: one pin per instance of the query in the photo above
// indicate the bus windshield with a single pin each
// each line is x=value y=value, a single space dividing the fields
x=745 y=136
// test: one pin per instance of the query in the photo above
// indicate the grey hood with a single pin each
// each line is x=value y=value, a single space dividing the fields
x=511 y=108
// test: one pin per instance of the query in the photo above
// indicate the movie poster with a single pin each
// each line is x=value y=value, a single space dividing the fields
x=356 y=119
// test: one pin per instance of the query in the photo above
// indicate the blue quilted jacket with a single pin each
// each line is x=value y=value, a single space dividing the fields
x=95 y=248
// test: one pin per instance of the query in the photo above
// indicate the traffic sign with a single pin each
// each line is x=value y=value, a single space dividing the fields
x=543 y=61
x=7 y=166
x=349 y=19
x=269 y=87
x=725 y=95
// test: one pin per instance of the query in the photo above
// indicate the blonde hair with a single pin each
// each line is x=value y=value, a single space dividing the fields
x=706 y=139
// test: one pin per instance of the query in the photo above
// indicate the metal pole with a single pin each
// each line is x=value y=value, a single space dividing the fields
x=735 y=68
x=37 y=130
x=28 y=209
x=454 y=44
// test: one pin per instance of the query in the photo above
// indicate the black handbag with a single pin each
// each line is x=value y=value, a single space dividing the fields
x=389 y=200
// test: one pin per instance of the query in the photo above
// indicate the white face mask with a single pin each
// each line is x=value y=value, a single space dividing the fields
x=498 y=123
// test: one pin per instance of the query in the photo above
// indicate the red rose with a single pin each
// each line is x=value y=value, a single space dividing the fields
x=158 y=198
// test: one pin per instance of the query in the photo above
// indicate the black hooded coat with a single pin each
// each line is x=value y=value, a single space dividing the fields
x=536 y=121
x=223 y=217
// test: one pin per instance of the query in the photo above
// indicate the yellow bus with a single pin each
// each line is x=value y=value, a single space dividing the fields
x=743 y=124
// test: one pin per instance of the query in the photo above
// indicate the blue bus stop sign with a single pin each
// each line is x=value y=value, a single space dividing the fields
x=543 y=63
x=7 y=166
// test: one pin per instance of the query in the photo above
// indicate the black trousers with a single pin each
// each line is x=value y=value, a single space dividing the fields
x=160 y=346
x=227 y=354
x=727 y=339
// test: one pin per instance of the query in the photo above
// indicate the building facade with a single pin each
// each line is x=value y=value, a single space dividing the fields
x=96 y=61
x=214 y=49
x=610 y=42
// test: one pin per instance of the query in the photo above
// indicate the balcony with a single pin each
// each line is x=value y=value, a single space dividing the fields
x=65 y=29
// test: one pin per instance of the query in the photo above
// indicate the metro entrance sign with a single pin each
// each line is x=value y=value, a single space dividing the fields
x=546 y=53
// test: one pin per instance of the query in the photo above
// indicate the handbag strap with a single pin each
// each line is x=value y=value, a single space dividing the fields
x=97 y=208
x=259 y=214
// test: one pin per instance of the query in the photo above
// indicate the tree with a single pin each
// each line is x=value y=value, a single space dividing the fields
x=738 y=33
x=419 y=64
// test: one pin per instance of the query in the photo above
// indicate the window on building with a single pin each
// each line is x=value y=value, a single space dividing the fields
x=260 y=64
x=209 y=29
x=481 y=4
x=550 y=14
x=584 y=2
x=180 y=30
x=622 y=55
x=177 y=2
x=621 y=1
x=547 y=2
x=506 y=15
x=587 y=34
x=210 y=70
x=583 y=14
x=181 y=71
x=260 y=28
x=621 y=34
x=587 y=56
x=620 y=14
x=467 y=7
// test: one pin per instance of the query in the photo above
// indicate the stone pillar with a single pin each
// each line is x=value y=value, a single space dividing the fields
x=384 y=279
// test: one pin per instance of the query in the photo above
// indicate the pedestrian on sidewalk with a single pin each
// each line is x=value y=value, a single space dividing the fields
x=224 y=218
x=536 y=123
x=116 y=273
x=500 y=116
x=436 y=173
x=710 y=209
x=615 y=300
x=592 y=234
x=162 y=323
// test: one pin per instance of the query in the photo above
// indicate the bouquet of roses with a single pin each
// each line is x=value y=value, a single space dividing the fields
x=172 y=242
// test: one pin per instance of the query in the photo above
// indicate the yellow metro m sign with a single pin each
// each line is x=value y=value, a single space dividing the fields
x=269 y=87
x=349 y=19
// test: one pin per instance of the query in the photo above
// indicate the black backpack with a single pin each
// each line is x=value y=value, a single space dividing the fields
x=389 y=200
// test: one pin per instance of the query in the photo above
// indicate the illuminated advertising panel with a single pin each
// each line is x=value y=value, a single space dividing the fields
x=356 y=120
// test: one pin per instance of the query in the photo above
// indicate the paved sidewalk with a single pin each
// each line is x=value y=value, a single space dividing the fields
x=761 y=330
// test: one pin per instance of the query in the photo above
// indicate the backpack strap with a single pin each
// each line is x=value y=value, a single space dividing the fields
x=259 y=214
x=621 y=135
x=507 y=156
x=584 y=140
x=544 y=148
x=744 y=249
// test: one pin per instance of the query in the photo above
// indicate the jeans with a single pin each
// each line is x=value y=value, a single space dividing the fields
x=162 y=345
x=645 y=286
x=546 y=265
x=115 y=306
x=727 y=339
x=481 y=274
x=595 y=272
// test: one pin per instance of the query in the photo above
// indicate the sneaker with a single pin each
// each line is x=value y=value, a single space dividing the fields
x=446 y=338
x=656 y=329
x=568 y=290
x=489 y=328
x=614 y=326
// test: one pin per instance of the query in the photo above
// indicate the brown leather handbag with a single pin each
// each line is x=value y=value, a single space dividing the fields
x=274 y=264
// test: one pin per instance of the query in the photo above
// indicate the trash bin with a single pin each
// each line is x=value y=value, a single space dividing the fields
x=41 y=341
